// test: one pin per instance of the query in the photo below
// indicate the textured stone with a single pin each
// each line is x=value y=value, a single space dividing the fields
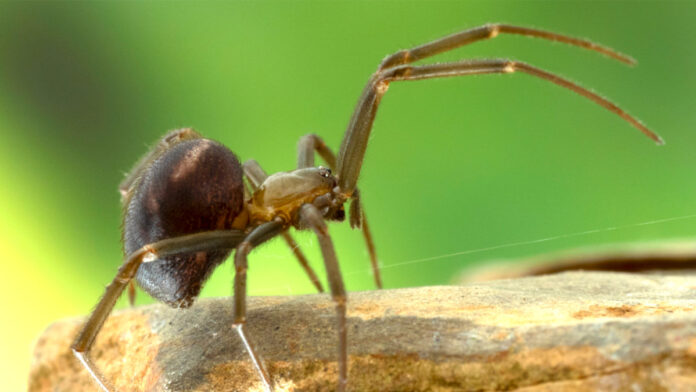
x=666 y=257
x=571 y=331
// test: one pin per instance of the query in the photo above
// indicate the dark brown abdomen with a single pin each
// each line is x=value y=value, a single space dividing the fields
x=195 y=186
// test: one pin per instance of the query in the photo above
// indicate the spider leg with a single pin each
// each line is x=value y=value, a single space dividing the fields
x=131 y=293
x=355 y=141
x=257 y=236
x=305 y=158
x=308 y=145
x=256 y=175
x=295 y=248
x=212 y=240
x=311 y=217
x=356 y=210
x=491 y=31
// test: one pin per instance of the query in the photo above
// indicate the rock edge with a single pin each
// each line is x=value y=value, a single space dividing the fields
x=573 y=331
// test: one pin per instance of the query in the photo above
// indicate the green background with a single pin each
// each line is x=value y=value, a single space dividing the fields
x=453 y=165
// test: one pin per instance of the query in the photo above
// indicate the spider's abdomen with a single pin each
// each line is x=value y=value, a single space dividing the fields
x=194 y=186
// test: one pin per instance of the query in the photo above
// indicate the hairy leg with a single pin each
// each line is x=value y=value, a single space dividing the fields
x=356 y=138
x=310 y=217
x=490 y=31
x=308 y=145
x=206 y=241
x=256 y=237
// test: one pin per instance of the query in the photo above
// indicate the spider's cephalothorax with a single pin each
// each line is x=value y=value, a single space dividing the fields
x=281 y=195
x=187 y=206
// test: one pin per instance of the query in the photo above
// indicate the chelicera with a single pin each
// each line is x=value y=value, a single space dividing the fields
x=187 y=206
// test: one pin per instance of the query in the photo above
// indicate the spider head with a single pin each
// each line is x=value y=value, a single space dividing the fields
x=282 y=194
x=329 y=202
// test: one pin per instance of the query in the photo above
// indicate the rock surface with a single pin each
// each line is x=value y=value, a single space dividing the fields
x=664 y=257
x=572 y=331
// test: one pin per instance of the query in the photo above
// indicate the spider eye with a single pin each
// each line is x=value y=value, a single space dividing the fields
x=324 y=171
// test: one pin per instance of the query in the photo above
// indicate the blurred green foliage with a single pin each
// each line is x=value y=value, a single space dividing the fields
x=453 y=165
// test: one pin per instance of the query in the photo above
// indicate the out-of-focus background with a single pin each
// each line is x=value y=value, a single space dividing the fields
x=453 y=165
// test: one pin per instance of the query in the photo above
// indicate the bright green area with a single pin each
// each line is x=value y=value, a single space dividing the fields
x=453 y=165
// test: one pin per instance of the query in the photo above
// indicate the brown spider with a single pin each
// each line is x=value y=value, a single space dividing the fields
x=186 y=206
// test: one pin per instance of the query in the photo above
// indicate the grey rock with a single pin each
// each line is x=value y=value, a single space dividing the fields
x=571 y=331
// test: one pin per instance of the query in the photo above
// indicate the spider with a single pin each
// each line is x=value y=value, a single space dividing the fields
x=187 y=207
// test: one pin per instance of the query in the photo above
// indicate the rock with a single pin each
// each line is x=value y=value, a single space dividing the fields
x=572 y=331
x=666 y=257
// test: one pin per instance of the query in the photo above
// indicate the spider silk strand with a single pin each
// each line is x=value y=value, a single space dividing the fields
x=495 y=247
x=528 y=242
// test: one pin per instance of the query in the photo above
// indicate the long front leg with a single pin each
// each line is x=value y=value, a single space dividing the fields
x=490 y=31
x=311 y=217
x=258 y=235
x=354 y=143
x=206 y=241
x=308 y=145
x=256 y=175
